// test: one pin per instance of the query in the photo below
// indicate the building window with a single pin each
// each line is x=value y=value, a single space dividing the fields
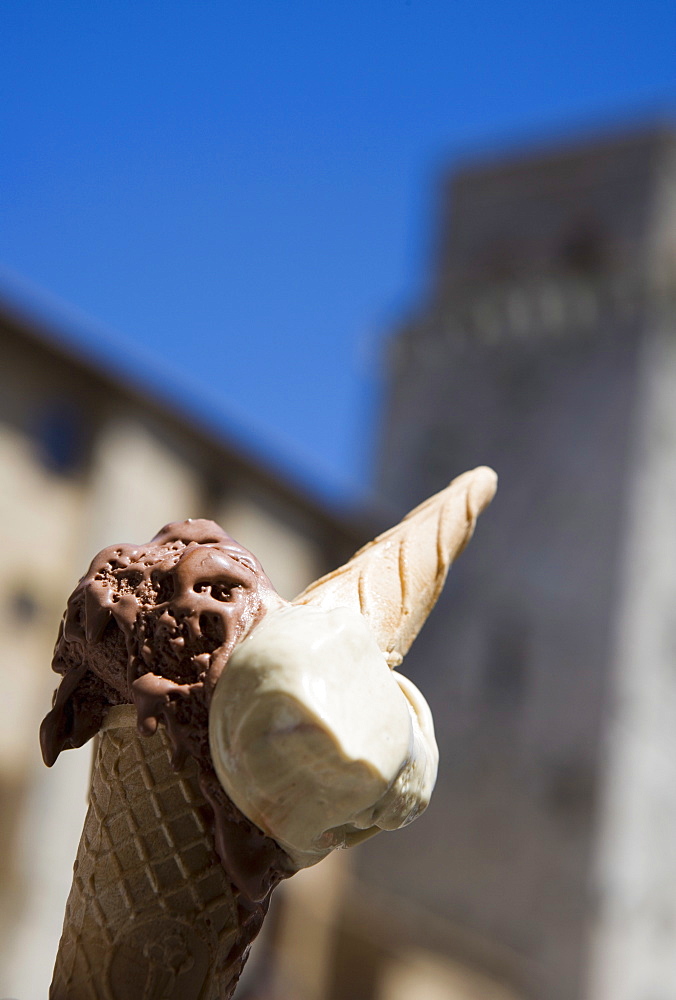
x=58 y=434
x=24 y=607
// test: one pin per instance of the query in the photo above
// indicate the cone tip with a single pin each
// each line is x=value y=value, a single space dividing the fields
x=483 y=482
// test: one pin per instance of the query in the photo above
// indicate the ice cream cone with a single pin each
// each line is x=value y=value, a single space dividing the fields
x=151 y=913
x=395 y=580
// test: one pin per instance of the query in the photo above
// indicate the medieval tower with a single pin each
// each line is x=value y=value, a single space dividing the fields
x=547 y=349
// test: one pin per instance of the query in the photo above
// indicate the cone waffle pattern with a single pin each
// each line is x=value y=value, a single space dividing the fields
x=395 y=580
x=151 y=913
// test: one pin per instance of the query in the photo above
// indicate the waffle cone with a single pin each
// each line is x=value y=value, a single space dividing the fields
x=395 y=580
x=151 y=913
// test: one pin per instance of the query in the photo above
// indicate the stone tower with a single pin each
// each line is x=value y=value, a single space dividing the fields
x=547 y=349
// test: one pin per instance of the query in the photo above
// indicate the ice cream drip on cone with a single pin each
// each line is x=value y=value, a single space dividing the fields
x=240 y=738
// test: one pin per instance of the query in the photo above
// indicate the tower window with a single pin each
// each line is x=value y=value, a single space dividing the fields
x=583 y=251
x=506 y=668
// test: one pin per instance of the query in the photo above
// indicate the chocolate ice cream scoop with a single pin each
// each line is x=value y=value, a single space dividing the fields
x=154 y=626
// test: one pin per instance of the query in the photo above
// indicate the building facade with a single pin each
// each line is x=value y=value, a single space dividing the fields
x=87 y=460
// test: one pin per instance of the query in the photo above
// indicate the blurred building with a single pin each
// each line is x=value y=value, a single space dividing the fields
x=87 y=460
x=547 y=349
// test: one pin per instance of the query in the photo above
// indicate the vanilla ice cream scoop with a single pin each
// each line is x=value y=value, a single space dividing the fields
x=314 y=738
x=311 y=734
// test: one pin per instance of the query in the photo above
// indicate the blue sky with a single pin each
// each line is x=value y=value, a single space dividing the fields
x=235 y=202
